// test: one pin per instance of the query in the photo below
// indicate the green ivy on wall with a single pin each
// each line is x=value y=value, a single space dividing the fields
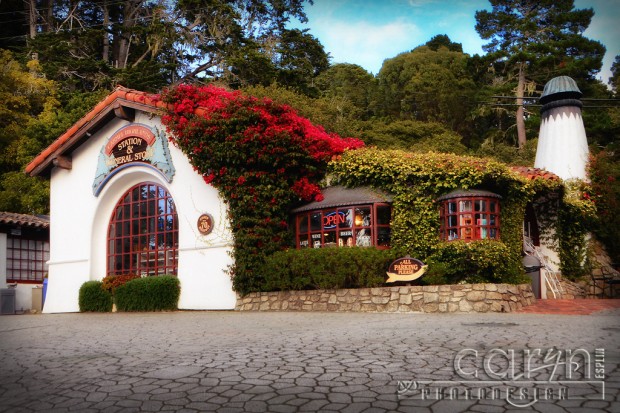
x=416 y=180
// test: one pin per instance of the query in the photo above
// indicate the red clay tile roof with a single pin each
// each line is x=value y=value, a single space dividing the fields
x=120 y=97
x=534 y=173
x=37 y=221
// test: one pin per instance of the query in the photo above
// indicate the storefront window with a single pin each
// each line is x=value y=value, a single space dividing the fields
x=359 y=225
x=469 y=215
x=143 y=235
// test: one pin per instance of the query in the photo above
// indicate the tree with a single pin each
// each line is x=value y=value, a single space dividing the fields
x=413 y=135
x=147 y=44
x=348 y=83
x=534 y=40
x=442 y=40
x=614 y=80
x=25 y=95
x=427 y=85
x=337 y=115
x=226 y=40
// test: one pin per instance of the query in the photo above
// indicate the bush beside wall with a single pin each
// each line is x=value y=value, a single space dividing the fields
x=94 y=298
x=325 y=268
x=482 y=261
x=149 y=294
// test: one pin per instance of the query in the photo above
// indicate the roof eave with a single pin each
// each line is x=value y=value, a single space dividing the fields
x=94 y=120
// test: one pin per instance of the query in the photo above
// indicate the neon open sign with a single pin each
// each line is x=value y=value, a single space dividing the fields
x=332 y=219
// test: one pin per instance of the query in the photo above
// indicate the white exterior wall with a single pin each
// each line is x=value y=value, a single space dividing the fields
x=562 y=144
x=79 y=225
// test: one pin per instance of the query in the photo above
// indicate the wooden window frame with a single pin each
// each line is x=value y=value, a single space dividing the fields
x=21 y=266
x=142 y=238
x=321 y=237
x=461 y=223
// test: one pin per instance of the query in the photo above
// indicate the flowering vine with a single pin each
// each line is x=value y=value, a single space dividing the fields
x=262 y=157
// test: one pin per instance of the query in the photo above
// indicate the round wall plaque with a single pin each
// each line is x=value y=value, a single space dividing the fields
x=205 y=224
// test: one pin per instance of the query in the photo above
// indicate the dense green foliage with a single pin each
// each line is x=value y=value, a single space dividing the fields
x=149 y=294
x=484 y=261
x=325 y=268
x=454 y=262
x=94 y=44
x=93 y=298
x=426 y=85
x=605 y=176
x=416 y=180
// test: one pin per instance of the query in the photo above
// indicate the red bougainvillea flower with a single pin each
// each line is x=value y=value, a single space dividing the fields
x=262 y=156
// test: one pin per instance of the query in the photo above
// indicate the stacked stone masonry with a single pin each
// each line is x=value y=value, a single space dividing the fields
x=460 y=298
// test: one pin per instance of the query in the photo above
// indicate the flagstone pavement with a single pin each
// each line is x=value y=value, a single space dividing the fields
x=225 y=361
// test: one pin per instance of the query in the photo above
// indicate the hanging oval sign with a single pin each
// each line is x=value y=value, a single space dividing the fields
x=205 y=224
x=406 y=269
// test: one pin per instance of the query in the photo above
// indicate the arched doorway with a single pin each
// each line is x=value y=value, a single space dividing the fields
x=143 y=234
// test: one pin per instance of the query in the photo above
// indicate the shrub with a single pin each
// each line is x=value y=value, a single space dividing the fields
x=485 y=261
x=111 y=282
x=148 y=294
x=325 y=268
x=93 y=298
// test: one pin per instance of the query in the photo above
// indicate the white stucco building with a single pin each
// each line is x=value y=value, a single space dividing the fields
x=124 y=200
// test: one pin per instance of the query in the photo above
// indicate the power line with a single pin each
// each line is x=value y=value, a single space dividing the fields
x=538 y=97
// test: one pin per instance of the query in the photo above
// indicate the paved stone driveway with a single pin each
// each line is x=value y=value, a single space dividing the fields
x=294 y=362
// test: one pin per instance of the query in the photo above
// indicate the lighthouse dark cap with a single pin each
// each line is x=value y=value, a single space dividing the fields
x=558 y=88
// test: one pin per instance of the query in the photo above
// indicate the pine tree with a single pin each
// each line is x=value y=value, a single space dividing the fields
x=535 y=40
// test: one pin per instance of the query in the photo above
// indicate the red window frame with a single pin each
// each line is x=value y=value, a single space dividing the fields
x=470 y=218
x=26 y=259
x=143 y=233
x=352 y=225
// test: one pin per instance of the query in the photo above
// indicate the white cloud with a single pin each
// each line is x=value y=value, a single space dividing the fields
x=364 y=43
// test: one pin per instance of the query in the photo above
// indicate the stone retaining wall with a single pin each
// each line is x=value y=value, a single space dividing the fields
x=460 y=298
x=574 y=290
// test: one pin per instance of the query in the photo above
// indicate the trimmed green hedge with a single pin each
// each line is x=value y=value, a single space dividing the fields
x=148 y=294
x=485 y=261
x=454 y=262
x=94 y=298
x=325 y=268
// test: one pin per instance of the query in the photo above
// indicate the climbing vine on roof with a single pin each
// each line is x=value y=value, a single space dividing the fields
x=263 y=158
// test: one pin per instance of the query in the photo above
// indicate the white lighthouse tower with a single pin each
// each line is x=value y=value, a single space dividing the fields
x=562 y=144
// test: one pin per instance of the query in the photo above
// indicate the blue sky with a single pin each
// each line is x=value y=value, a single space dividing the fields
x=366 y=32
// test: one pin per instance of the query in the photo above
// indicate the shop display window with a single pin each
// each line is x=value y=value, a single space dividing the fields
x=356 y=225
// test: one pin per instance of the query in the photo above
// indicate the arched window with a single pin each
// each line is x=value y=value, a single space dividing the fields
x=143 y=236
x=469 y=215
